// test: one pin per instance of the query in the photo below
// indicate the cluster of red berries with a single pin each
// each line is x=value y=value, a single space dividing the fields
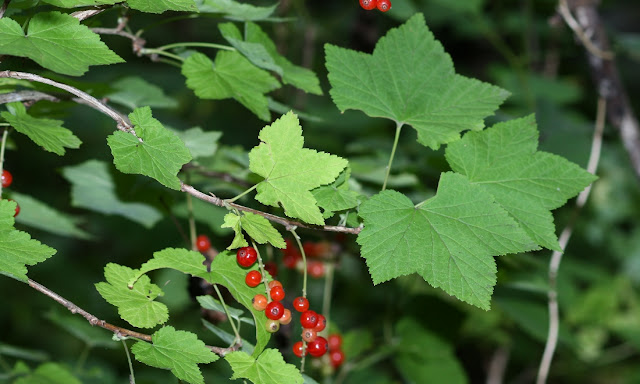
x=292 y=258
x=7 y=179
x=312 y=323
x=382 y=5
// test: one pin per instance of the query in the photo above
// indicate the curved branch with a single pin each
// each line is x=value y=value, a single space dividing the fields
x=287 y=223
x=93 y=320
x=26 y=96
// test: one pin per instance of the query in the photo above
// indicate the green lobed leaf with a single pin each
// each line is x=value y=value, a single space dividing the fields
x=257 y=227
x=134 y=92
x=504 y=161
x=268 y=368
x=17 y=248
x=160 y=155
x=255 y=52
x=79 y=3
x=49 y=373
x=57 y=42
x=422 y=356
x=449 y=240
x=36 y=214
x=160 y=6
x=230 y=76
x=92 y=187
x=178 y=351
x=291 y=171
x=224 y=271
x=336 y=196
x=47 y=133
x=136 y=305
x=234 y=10
x=199 y=142
x=420 y=89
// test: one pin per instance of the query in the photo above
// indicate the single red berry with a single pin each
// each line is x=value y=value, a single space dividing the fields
x=272 y=325
x=291 y=260
x=318 y=347
x=275 y=283
x=336 y=357
x=315 y=269
x=309 y=335
x=300 y=304
x=286 y=317
x=384 y=5
x=253 y=278
x=309 y=319
x=17 y=207
x=310 y=248
x=246 y=256
x=322 y=324
x=259 y=302
x=335 y=341
x=274 y=310
x=7 y=178
x=368 y=4
x=272 y=268
x=203 y=244
x=277 y=293
x=298 y=349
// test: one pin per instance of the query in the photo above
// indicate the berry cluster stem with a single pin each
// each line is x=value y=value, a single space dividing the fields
x=132 y=378
x=304 y=262
x=262 y=271
x=2 y=146
x=393 y=153
x=238 y=339
x=192 y=221
x=328 y=292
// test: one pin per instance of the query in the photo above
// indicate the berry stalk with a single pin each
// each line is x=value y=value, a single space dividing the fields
x=304 y=262
x=262 y=271
x=238 y=339
x=2 y=146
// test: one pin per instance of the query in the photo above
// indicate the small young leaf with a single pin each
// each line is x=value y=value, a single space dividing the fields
x=504 y=161
x=57 y=42
x=231 y=76
x=291 y=171
x=178 y=351
x=136 y=305
x=257 y=227
x=434 y=100
x=336 y=196
x=234 y=10
x=255 y=52
x=160 y=155
x=47 y=133
x=159 y=6
x=92 y=187
x=450 y=240
x=134 y=92
x=268 y=368
x=50 y=373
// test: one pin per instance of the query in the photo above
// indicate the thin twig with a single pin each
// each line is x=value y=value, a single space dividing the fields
x=26 y=96
x=287 y=223
x=4 y=7
x=120 y=332
x=584 y=35
x=498 y=365
x=556 y=257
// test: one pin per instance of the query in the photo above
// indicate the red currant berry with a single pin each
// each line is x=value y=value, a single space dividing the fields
x=300 y=304
x=315 y=269
x=259 y=302
x=17 y=207
x=318 y=347
x=274 y=310
x=290 y=260
x=272 y=325
x=203 y=244
x=335 y=341
x=384 y=5
x=309 y=319
x=275 y=283
x=246 y=256
x=337 y=358
x=277 y=293
x=7 y=178
x=322 y=324
x=309 y=335
x=298 y=349
x=368 y=4
x=272 y=268
x=286 y=317
x=253 y=278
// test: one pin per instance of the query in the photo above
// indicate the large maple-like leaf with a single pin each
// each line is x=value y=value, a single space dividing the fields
x=504 y=161
x=410 y=79
x=291 y=171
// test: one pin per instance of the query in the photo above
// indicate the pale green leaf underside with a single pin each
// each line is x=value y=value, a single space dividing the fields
x=230 y=76
x=268 y=368
x=504 y=161
x=37 y=214
x=93 y=188
x=160 y=155
x=235 y=10
x=178 y=351
x=450 y=240
x=48 y=373
x=224 y=271
x=291 y=171
x=134 y=92
x=57 y=42
x=257 y=227
x=136 y=305
x=410 y=79
x=47 y=133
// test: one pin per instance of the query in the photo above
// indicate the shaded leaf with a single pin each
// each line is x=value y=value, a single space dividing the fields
x=134 y=92
x=268 y=368
x=234 y=10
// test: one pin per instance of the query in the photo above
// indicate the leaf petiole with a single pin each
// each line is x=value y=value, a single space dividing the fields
x=238 y=339
x=196 y=44
x=393 y=153
x=151 y=51
x=242 y=194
